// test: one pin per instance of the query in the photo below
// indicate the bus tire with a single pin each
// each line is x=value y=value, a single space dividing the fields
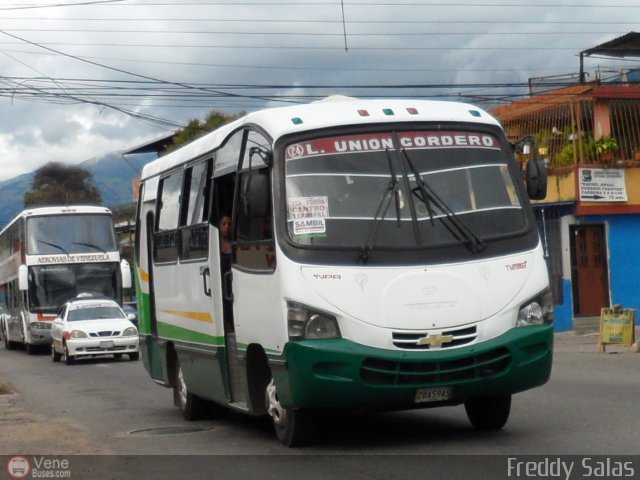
x=68 y=359
x=55 y=356
x=488 y=413
x=191 y=406
x=293 y=427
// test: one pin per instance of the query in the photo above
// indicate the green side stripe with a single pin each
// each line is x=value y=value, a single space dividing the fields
x=173 y=332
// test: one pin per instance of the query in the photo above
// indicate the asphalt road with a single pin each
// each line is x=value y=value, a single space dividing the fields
x=589 y=407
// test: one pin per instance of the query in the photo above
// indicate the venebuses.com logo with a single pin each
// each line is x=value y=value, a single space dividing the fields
x=18 y=467
x=38 y=467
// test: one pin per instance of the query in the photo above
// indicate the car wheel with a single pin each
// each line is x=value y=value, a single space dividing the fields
x=68 y=359
x=117 y=356
x=294 y=428
x=134 y=356
x=55 y=356
x=488 y=413
x=191 y=406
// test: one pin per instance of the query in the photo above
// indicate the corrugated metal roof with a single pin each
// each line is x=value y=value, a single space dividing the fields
x=627 y=45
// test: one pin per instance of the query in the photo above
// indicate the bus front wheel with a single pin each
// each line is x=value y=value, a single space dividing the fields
x=488 y=413
x=294 y=428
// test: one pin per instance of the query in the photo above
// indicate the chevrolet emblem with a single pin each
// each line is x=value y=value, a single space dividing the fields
x=436 y=340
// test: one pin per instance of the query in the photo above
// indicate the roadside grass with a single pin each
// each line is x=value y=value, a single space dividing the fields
x=4 y=389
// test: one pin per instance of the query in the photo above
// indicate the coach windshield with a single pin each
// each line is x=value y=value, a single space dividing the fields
x=67 y=234
x=405 y=189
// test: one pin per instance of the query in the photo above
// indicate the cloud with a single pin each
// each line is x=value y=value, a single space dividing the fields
x=208 y=56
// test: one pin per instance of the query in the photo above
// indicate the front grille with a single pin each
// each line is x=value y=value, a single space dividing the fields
x=99 y=349
x=105 y=333
x=416 y=340
x=375 y=371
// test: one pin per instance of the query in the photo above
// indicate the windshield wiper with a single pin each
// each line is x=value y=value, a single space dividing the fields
x=391 y=192
x=90 y=245
x=455 y=226
x=53 y=245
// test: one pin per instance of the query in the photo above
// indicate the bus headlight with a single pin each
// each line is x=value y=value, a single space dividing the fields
x=129 y=332
x=537 y=311
x=305 y=323
x=40 y=326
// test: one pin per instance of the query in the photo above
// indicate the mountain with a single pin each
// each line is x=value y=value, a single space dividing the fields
x=112 y=175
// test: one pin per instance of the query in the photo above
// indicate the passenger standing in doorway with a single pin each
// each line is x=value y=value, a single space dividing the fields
x=225 y=242
x=225 y=234
x=225 y=266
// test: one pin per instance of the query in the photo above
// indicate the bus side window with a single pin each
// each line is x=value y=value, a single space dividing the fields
x=194 y=230
x=165 y=237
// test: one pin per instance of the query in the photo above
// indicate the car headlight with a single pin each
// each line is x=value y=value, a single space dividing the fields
x=306 y=323
x=129 y=332
x=537 y=311
x=77 y=334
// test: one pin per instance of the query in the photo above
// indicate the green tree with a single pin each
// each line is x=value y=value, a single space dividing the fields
x=197 y=128
x=58 y=184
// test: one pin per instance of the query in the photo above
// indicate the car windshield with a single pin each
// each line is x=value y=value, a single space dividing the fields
x=94 y=313
x=401 y=190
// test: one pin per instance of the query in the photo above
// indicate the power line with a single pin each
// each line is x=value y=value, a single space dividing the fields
x=279 y=47
x=327 y=3
x=434 y=21
x=32 y=7
x=310 y=34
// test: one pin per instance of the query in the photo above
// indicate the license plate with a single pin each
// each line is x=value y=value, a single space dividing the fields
x=106 y=344
x=435 y=394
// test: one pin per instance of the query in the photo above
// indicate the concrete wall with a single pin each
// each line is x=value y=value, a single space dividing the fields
x=623 y=244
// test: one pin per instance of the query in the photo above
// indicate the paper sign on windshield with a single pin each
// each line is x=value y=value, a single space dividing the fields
x=308 y=214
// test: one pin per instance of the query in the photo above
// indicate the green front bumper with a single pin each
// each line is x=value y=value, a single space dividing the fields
x=341 y=373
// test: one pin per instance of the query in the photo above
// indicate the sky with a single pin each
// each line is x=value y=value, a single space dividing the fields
x=80 y=79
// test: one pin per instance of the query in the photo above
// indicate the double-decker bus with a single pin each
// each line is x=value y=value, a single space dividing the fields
x=51 y=254
x=384 y=255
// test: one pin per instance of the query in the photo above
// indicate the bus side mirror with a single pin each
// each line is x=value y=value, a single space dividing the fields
x=255 y=193
x=23 y=278
x=536 y=178
x=125 y=271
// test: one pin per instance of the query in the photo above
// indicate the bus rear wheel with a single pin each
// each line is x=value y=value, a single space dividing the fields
x=191 y=406
x=294 y=428
x=488 y=413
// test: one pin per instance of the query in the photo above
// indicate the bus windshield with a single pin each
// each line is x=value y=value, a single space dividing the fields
x=52 y=285
x=66 y=234
x=402 y=189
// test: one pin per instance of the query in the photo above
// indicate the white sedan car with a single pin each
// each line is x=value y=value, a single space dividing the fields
x=86 y=327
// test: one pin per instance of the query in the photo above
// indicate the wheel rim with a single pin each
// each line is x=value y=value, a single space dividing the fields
x=274 y=408
x=182 y=389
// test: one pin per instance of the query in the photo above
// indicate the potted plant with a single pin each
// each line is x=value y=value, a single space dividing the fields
x=607 y=147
